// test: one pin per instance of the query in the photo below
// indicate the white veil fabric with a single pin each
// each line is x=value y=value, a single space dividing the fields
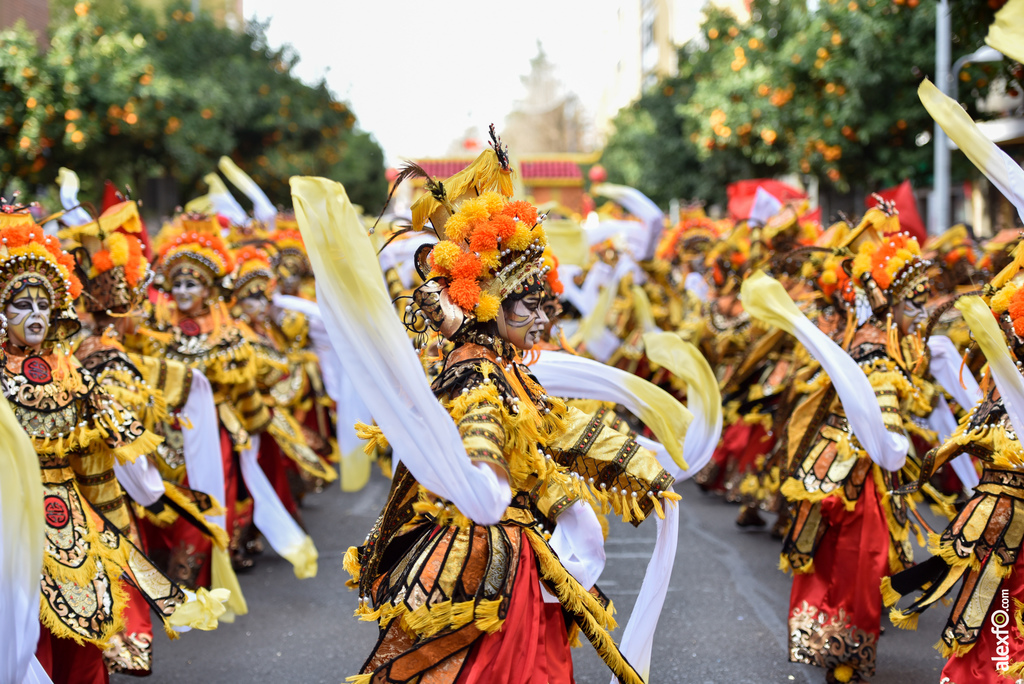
x=22 y=536
x=766 y=300
x=363 y=326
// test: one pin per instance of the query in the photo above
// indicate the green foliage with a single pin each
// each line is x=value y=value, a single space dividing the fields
x=130 y=95
x=831 y=93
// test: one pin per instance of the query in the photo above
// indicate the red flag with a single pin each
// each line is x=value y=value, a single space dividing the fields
x=742 y=193
x=903 y=197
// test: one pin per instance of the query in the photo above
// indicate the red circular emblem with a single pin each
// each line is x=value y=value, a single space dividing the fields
x=37 y=370
x=56 y=511
x=189 y=327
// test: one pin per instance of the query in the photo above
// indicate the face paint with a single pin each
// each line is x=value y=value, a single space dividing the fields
x=553 y=310
x=189 y=293
x=28 y=317
x=255 y=307
x=525 y=321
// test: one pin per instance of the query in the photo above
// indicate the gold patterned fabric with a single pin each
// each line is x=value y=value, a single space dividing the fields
x=435 y=581
x=78 y=430
x=980 y=548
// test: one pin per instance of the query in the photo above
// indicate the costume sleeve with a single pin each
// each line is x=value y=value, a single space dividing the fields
x=612 y=463
x=483 y=435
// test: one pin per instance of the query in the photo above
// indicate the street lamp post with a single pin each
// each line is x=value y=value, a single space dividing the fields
x=939 y=206
x=946 y=80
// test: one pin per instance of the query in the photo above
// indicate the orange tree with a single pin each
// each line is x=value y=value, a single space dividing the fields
x=830 y=92
x=130 y=95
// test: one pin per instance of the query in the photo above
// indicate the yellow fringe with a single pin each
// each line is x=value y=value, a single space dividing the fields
x=352 y=567
x=374 y=436
x=957 y=649
x=903 y=620
x=570 y=593
x=1014 y=672
x=890 y=597
x=360 y=679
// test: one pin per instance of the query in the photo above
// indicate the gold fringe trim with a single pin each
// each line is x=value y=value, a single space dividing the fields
x=108 y=560
x=1014 y=672
x=903 y=620
x=374 y=436
x=890 y=597
x=956 y=649
x=352 y=567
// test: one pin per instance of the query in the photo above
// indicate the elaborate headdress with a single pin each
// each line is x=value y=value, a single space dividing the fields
x=289 y=251
x=887 y=262
x=116 y=272
x=691 y=238
x=28 y=257
x=253 y=272
x=201 y=252
x=493 y=252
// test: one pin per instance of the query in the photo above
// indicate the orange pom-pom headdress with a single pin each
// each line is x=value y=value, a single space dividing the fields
x=253 y=272
x=28 y=257
x=887 y=263
x=203 y=254
x=491 y=248
x=111 y=258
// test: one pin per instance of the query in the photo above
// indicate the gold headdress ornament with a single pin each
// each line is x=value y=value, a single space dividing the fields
x=116 y=270
x=30 y=257
x=253 y=272
x=288 y=248
x=887 y=263
x=491 y=249
x=199 y=250
x=491 y=171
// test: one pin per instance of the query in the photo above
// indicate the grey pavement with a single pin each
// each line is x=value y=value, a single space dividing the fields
x=724 y=620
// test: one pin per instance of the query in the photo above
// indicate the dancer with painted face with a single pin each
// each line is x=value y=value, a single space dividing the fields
x=456 y=568
x=97 y=586
x=196 y=328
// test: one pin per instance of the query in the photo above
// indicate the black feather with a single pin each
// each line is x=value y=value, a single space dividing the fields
x=501 y=150
x=408 y=170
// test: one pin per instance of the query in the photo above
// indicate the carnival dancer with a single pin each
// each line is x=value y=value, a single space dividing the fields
x=846 y=450
x=93 y=571
x=197 y=329
x=448 y=620
x=283 y=379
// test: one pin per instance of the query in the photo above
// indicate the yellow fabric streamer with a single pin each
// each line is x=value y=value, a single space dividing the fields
x=303 y=557
x=355 y=469
x=203 y=611
x=21 y=499
x=997 y=166
x=766 y=300
x=664 y=415
x=591 y=327
x=1006 y=34
x=568 y=241
x=642 y=307
x=685 y=361
x=987 y=334
x=222 y=577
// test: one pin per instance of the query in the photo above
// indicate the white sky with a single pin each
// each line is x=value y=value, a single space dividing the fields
x=419 y=73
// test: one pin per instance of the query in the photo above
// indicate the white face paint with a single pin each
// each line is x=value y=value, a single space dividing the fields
x=524 y=322
x=28 y=317
x=255 y=307
x=189 y=293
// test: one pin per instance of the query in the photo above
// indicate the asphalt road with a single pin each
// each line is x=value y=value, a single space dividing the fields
x=724 y=621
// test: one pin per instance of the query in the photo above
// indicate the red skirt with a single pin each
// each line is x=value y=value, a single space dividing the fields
x=67 y=662
x=1000 y=641
x=835 y=611
x=532 y=647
